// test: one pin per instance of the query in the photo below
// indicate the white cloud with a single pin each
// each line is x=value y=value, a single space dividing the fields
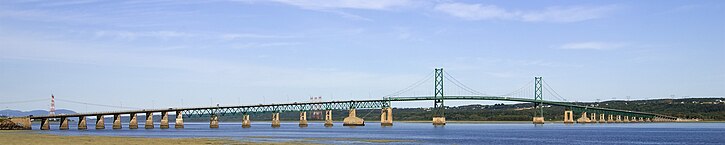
x=551 y=14
x=67 y=3
x=262 y=44
x=129 y=35
x=567 y=14
x=251 y=35
x=205 y=69
x=474 y=11
x=346 y=4
x=338 y=6
x=592 y=45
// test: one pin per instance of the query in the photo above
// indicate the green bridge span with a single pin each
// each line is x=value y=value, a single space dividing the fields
x=596 y=114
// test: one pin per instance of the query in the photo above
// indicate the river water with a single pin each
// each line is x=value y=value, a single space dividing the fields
x=425 y=133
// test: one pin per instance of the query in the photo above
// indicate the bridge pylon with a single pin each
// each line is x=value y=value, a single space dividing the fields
x=439 y=117
x=538 y=105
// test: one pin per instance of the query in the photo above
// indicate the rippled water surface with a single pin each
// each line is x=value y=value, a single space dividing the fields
x=425 y=133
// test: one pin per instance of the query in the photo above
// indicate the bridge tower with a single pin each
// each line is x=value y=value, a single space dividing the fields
x=538 y=97
x=52 y=105
x=439 y=117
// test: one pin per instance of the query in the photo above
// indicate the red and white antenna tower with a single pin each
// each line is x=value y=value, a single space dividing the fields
x=52 y=104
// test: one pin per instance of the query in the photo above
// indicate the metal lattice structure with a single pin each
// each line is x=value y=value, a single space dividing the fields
x=52 y=105
x=438 y=110
x=538 y=98
x=438 y=106
x=292 y=107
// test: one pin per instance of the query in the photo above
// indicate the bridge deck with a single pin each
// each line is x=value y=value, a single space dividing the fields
x=337 y=105
x=500 y=98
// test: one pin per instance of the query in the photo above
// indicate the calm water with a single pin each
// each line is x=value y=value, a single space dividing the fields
x=425 y=133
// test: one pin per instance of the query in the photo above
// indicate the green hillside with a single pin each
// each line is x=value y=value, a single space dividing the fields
x=704 y=108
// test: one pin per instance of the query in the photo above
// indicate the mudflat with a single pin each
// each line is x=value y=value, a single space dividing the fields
x=20 y=137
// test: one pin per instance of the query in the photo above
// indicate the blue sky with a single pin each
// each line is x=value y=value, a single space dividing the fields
x=154 y=54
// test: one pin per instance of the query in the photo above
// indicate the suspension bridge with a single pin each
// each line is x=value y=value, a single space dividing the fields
x=587 y=114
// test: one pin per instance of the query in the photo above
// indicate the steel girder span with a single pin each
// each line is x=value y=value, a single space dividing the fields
x=289 y=107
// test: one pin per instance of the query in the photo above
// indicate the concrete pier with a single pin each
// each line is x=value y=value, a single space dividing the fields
x=352 y=119
x=100 y=123
x=179 y=120
x=149 y=120
x=213 y=121
x=133 y=124
x=82 y=125
x=44 y=124
x=583 y=118
x=647 y=120
x=626 y=119
x=538 y=120
x=164 y=120
x=23 y=121
x=611 y=119
x=63 y=123
x=117 y=121
x=328 y=118
x=246 y=123
x=619 y=119
x=568 y=117
x=601 y=118
x=593 y=117
x=303 y=119
x=439 y=120
x=386 y=117
x=275 y=120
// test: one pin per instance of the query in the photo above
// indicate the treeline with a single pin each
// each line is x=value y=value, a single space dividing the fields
x=704 y=108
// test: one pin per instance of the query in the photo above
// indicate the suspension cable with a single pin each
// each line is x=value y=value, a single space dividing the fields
x=93 y=104
x=557 y=97
x=464 y=89
x=366 y=115
x=552 y=89
x=463 y=86
x=518 y=90
x=24 y=101
x=412 y=86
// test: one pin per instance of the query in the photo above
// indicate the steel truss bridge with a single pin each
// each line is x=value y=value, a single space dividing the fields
x=384 y=103
x=354 y=104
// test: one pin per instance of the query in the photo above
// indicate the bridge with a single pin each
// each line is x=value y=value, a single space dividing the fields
x=587 y=114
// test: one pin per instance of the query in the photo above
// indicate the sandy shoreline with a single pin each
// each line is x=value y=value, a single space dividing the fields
x=24 y=137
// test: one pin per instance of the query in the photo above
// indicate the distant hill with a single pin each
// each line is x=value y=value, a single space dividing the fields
x=11 y=113
x=703 y=108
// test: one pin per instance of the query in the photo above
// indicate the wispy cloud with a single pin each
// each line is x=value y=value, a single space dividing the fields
x=346 y=4
x=338 y=6
x=263 y=44
x=592 y=45
x=129 y=35
x=67 y=3
x=550 y=14
x=44 y=50
x=234 y=36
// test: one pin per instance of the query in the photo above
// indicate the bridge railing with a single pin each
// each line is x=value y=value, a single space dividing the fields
x=261 y=108
x=342 y=105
